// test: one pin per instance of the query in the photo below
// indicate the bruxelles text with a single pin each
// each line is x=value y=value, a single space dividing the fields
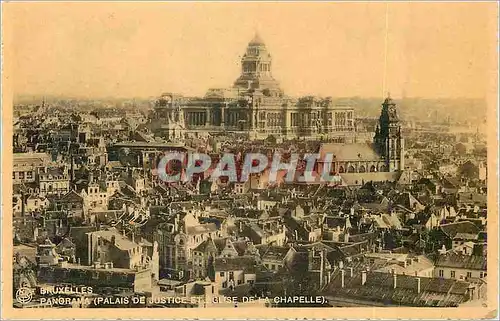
x=290 y=168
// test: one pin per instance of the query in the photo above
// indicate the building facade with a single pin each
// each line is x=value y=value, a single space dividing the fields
x=255 y=106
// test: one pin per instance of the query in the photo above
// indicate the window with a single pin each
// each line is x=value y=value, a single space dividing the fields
x=441 y=273
x=21 y=175
x=13 y=175
x=481 y=274
x=221 y=274
x=469 y=274
x=239 y=282
x=231 y=275
x=452 y=274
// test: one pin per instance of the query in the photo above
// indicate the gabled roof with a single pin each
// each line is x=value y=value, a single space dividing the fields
x=240 y=247
x=349 y=152
x=276 y=252
x=334 y=221
x=71 y=196
x=469 y=262
x=408 y=200
x=121 y=242
x=205 y=245
x=452 y=229
x=201 y=229
x=239 y=263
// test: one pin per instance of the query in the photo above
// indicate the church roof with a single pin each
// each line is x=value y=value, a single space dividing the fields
x=350 y=152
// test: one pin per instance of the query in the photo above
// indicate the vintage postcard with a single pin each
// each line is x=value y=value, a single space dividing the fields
x=249 y=160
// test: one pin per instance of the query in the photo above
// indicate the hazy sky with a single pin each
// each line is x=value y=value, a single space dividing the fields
x=336 y=49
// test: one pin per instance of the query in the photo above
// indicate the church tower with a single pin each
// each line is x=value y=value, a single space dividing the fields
x=256 y=71
x=388 y=139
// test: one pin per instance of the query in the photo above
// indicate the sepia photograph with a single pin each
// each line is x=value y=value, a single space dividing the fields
x=249 y=159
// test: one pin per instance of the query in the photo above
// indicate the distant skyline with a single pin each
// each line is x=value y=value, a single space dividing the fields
x=434 y=50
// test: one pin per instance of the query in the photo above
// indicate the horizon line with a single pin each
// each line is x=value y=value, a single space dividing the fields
x=41 y=97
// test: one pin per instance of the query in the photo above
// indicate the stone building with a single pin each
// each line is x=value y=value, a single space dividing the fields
x=379 y=160
x=256 y=106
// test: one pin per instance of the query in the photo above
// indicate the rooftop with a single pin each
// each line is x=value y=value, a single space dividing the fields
x=454 y=260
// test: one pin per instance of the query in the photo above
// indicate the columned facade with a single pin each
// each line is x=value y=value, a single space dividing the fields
x=256 y=106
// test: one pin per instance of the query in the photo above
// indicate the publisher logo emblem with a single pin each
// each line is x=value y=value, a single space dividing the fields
x=24 y=295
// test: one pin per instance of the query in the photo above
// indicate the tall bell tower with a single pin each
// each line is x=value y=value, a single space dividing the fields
x=388 y=140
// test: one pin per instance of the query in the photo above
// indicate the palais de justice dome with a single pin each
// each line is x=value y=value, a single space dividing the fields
x=255 y=106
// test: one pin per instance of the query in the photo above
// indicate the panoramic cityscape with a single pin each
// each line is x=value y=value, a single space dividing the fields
x=294 y=159
x=400 y=222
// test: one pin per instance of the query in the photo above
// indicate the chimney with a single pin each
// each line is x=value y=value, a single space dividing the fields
x=23 y=206
x=395 y=280
x=90 y=249
x=321 y=269
x=363 y=277
x=176 y=222
x=343 y=277
x=418 y=285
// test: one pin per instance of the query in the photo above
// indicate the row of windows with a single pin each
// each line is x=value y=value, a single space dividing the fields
x=231 y=274
x=50 y=177
x=272 y=266
x=453 y=274
x=224 y=284
x=20 y=175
